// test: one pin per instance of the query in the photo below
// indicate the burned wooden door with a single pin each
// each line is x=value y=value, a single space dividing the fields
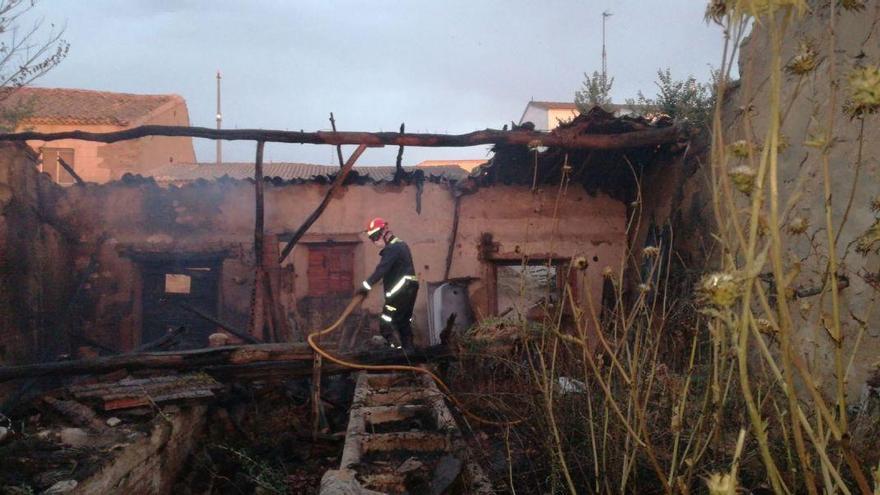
x=331 y=270
x=331 y=283
x=168 y=288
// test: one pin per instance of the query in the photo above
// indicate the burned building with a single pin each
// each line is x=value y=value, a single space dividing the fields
x=156 y=247
x=110 y=269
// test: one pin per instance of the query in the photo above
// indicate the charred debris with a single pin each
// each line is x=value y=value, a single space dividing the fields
x=266 y=415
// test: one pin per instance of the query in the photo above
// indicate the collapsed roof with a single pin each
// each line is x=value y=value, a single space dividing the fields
x=613 y=172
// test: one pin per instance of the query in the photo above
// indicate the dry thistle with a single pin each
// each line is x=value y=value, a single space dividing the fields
x=853 y=5
x=721 y=484
x=876 y=475
x=715 y=11
x=581 y=263
x=675 y=425
x=818 y=141
x=608 y=272
x=805 y=306
x=798 y=225
x=651 y=252
x=864 y=83
x=761 y=8
x=867 y=240
x=739 y=149
x=743 y=178
x=644 y=288
x=783 y=143
x=805 y=61
x=764 y=326
x=763 y=225
x=719 y=289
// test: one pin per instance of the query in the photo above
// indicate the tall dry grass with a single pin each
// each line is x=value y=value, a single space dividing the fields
x=684 y=386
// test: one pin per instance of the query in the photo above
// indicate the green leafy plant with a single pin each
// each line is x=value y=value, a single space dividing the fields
x=680 y=99
x=596 y=90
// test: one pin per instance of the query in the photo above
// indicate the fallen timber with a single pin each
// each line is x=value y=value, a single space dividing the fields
x=291 y=360
x=635 y=139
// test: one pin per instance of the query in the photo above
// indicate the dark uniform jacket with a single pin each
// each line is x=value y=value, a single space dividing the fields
x=395 y=267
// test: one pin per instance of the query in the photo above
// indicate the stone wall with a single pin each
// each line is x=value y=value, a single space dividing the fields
x=37 y=261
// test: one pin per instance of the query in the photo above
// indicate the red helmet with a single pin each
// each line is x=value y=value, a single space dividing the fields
x=375 y=228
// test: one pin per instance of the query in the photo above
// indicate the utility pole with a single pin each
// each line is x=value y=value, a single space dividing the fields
x=219 y=122
x=605 y=15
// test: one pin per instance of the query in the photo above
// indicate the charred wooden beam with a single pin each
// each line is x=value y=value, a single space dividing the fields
x=340 y=178
x=398 y=164
x=220 y=323
x=635 y=139
x=285 y=370
x=66 y=166
x=453 y=237
x=258 y=209
x=338 y=147
x=193 y=359
x=288 y=360
x=161 y=341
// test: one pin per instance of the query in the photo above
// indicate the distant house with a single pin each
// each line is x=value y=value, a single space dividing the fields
x=59 y=109
x=547 y=115
x=468 y=165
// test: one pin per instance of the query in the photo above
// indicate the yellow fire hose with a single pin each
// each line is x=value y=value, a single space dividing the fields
x=355 y=302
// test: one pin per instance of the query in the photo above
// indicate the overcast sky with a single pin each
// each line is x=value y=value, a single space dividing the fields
x=449 y=66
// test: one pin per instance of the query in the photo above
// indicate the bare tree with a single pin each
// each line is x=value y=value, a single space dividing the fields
x=26 y=53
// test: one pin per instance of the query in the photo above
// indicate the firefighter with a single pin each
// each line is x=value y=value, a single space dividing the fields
x=398 y=276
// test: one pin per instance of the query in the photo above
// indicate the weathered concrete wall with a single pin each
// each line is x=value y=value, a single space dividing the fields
x=141 y=217
x=36 y=261
x=852 y=181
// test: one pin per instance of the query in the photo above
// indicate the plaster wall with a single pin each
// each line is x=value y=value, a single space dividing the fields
x=140 y=216
x=560 y=115
x=537 y=116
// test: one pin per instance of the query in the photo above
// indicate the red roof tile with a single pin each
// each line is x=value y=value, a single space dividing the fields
x=79 y=106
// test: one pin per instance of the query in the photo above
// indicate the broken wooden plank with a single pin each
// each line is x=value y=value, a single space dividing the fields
x=294 y=358
x=78 y=414
x=635 y=139
x=192 y=359
x=340 y=178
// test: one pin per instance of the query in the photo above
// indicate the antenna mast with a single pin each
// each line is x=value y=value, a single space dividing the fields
x=605 y=15
x=219 y=122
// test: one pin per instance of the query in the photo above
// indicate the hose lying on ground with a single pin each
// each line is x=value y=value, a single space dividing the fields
x=355 y=302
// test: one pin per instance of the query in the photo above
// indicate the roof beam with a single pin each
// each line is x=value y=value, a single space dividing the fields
x=633 y=139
